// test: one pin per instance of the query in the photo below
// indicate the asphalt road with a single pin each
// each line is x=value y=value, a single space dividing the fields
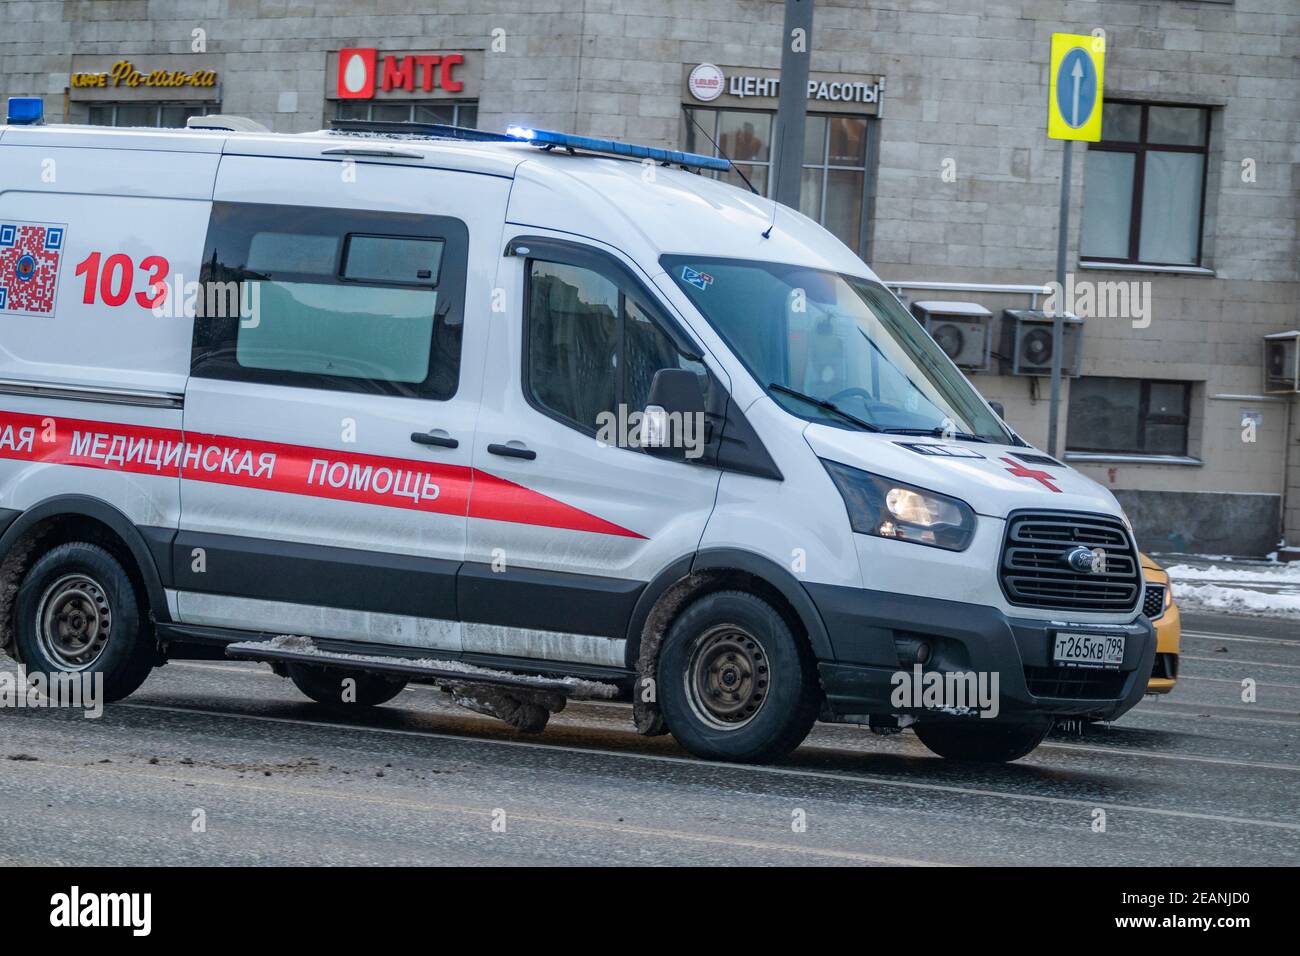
x=1196 y=778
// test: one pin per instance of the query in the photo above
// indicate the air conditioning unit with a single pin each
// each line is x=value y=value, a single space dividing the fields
x=1282 y=362
x=962 y=329
x=1027 y=343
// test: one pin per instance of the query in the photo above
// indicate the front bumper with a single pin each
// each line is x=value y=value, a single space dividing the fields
x=874 y=636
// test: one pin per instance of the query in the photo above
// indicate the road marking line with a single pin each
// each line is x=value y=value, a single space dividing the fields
x=1189 y=758
x=751 y=768
x=486 y=813
x=1244 y=640
x=1201 y=715
x=1237 y=681
x=1229 y=660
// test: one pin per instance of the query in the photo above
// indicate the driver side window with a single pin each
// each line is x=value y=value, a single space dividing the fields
x=590 y=346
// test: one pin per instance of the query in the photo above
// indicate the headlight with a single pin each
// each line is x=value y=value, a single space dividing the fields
x=1169 y=595
x=891 y=509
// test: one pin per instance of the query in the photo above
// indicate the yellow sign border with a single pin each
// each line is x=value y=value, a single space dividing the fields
x=1095 y=48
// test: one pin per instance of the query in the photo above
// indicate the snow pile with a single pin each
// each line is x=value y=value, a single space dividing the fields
x=1259 y=589
x=1215 y=597
x=1267 y=574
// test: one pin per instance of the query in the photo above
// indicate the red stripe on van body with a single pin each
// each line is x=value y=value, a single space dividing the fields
x=500 y=500
x=288 y=469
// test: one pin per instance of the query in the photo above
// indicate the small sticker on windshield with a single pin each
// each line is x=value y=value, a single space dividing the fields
x=701 y=280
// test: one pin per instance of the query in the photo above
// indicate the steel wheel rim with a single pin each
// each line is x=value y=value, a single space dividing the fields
x=74 y=622
x=728 y=677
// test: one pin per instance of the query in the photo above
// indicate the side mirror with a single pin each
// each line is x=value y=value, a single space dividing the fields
x=673 y=421
x=999 y=409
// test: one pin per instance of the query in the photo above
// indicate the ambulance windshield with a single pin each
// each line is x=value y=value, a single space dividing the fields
x=835 y=349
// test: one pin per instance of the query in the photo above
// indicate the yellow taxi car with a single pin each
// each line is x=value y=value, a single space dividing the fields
x=1158 y=605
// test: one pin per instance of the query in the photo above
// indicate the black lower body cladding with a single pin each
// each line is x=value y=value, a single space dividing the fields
x=875 y=635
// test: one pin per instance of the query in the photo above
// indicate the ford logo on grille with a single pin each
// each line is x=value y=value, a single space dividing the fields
x=1086 y=560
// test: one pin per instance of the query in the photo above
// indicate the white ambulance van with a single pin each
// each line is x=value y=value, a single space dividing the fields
x=432 y=403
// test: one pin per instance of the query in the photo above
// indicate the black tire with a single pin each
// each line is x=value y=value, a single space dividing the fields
x=980 y=742
x=78 y=612
x=735 y=682
x=325 y=686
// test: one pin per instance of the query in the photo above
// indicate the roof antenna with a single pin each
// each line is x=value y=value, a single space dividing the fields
x=767 y=233
x=743 y=177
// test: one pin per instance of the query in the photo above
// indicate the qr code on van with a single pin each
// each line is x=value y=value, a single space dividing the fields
x=29 y=266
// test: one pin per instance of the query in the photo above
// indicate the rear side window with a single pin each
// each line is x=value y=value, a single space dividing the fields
x=334 y=299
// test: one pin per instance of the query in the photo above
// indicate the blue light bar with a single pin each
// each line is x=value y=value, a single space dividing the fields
x=26 y=110
x=546 y=138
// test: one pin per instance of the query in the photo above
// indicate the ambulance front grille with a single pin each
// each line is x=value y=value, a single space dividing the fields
x=1036 y=572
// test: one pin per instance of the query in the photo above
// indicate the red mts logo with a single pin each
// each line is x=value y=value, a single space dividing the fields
x=289 y=469
x=356 y=73
x=361 y=70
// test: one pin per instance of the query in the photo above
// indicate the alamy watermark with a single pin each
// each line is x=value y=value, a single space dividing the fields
x=24 y=690
x=175 y=298
x=960 y=693
x=75 y=909
x=1100 y=300
x=652 y=427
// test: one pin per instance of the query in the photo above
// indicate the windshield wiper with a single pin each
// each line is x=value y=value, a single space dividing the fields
x=937 y=432
x=823 y=404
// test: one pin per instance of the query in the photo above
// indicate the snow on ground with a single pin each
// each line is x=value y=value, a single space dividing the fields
x=1229 y=600
x=1237 y=587
x=1266 y=574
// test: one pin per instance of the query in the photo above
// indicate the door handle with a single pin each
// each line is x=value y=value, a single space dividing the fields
x=441 y=441
x=510 y=451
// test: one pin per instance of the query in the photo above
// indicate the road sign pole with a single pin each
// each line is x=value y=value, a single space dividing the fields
x=1058 y=319
x=792 y=107
x=1074 y=104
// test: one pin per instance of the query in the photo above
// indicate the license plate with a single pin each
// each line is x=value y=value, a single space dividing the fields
x=1088 y=650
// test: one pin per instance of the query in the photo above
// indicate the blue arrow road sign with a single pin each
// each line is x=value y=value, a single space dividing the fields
x=1076 y=87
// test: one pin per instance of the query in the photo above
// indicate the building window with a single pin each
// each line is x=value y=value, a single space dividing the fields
x=1128 y=416
x=833 y=190
x=1144 y=185
x=442 y=112
x=157 y=115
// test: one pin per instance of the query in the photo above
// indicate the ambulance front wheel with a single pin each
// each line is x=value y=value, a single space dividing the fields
x=735 y=682
x=344 y=689
x=77 y=612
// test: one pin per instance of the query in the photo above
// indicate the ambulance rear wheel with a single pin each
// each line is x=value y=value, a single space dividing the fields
x=735 y=682
x=77 y=612
x=329 y=685
x=983 y=742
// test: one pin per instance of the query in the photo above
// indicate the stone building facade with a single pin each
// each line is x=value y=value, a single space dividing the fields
x=926 y=152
